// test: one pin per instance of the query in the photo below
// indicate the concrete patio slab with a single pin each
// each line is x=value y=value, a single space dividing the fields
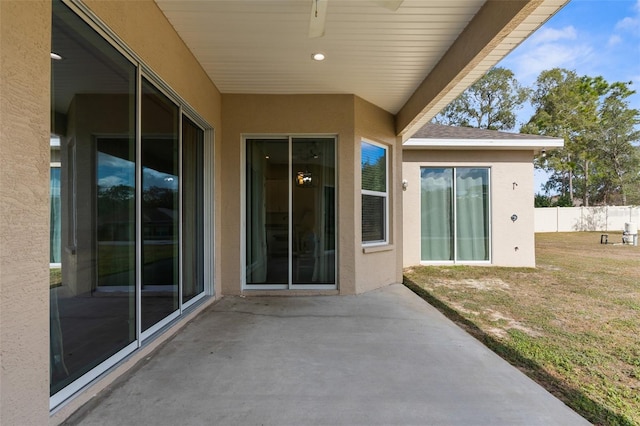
x=380 y=358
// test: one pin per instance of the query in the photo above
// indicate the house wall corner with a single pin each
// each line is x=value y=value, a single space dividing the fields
x=25 y=34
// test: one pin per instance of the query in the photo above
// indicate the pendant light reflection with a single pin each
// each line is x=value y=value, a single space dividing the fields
x=304 y=179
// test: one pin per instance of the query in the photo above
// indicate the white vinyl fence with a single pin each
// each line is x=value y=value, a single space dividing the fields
x=569 y=219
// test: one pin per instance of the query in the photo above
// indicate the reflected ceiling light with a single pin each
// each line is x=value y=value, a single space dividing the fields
x=55 y=56
x=318 y=56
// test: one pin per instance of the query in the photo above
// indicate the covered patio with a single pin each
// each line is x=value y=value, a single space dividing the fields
x=379 y=358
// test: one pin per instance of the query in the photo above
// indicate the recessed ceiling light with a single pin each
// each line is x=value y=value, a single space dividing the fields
x=318 y=56
x=55 y=56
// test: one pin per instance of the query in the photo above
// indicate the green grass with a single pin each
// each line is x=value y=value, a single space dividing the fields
x=572 y=323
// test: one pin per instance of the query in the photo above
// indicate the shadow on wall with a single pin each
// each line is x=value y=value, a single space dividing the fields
x=591 y=219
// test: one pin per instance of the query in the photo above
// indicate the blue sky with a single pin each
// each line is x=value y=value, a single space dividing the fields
x=591 y=37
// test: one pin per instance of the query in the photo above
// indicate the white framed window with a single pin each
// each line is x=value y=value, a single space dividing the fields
x=375 y=193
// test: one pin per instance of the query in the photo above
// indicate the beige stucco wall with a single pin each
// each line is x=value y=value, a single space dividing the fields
x=346 y=116
x=507 y=199
x=25 y=29
x=379 y=266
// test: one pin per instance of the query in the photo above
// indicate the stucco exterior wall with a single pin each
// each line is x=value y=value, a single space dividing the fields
x=512 y=243
x=25 y=33
x=379 y=266
x=351 y=119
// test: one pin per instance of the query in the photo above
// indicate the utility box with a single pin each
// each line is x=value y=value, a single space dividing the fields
x=630 y=233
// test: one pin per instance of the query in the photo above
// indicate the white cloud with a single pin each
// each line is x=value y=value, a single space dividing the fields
x=109 y=181
x=614 y=39
x=153 y=177
x=547 y=35
x=549 y=48
x=629 y=24
x=532 y=61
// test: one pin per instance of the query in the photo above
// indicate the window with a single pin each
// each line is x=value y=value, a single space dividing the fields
x=454 y=205
x=374 y=193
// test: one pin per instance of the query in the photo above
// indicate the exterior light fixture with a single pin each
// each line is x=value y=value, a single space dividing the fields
x=318 y=56
x=55 y=56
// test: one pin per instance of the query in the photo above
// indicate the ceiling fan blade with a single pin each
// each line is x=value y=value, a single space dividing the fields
x=318 y=18
x=391 y=4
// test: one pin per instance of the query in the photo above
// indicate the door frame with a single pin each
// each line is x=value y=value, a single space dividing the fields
x=243 y=195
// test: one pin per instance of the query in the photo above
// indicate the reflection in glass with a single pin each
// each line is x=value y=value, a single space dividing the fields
x=192 y=207
x=160 y=212
x=374 y=193
x=55 y=224
x=313 y=211
x=374 y=167
x=102 y=179
x=92 y=303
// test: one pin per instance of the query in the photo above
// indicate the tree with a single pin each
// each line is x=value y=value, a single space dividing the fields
x=490 y=103
x=593 y=117
x=620 y=159
x=542 y=200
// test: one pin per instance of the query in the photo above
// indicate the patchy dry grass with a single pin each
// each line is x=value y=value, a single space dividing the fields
x=572 y=323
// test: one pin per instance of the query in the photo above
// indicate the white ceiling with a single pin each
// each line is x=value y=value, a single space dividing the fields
x=382 y=56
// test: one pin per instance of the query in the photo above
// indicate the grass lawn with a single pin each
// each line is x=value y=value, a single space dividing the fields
x=572 y=323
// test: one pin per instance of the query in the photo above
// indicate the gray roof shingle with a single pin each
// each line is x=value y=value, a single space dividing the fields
x=439 y=131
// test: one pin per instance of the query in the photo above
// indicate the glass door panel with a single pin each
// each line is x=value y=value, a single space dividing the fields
x=192 y=208
x=160 y=206
x=436 y=199
x=92 y=291
x=472 y=213
x=267 y=214
x=313 y=210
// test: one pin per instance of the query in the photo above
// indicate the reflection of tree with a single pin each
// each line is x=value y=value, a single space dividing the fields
x=159 y=197
x=116 y=212
x=117 y=197
x=116 y=193
x=374 y=175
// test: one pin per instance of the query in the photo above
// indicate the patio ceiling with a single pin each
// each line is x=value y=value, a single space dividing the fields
x=411 y=62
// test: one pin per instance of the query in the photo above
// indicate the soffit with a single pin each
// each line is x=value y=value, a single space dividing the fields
x=262 y=46
x=380 y=55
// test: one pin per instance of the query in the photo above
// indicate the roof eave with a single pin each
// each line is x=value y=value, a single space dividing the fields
x=484 y=144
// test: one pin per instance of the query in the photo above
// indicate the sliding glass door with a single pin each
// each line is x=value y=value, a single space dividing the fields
x=454 y=205
x=128 y=215
x=290 y=213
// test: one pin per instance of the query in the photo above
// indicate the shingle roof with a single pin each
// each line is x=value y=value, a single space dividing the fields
x=439 y=131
